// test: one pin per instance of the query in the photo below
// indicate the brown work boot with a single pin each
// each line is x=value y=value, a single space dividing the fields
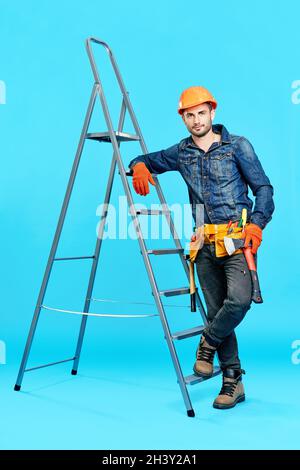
x=232 y=391
x=204 y=359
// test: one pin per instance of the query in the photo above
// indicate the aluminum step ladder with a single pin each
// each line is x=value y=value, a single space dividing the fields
x=115 y=138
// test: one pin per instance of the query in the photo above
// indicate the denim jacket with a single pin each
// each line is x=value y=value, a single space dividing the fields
x=218 y=178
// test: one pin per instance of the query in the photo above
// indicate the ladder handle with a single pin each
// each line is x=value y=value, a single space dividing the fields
x=92 y=57
x=97 y=41
x=119 y=78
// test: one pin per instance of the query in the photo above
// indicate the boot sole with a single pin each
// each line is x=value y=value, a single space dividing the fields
x=225 y=407
x=200 y=374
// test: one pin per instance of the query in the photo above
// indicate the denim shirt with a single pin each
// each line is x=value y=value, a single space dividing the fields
x=218 y=178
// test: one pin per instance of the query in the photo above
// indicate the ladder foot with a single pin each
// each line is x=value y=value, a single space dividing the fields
x=191 y=413
x=17 y=388
x=74 y=372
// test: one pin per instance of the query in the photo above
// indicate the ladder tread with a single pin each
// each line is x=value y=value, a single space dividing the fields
x=105 y=137
x=177 y=291
x=194 y=379
x=188 y=333
x=167 y=251
x=130 y=173
x=152 y=211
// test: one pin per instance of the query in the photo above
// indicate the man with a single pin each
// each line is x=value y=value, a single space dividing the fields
x=217 y=167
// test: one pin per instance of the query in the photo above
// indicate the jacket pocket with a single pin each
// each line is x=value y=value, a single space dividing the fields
x=221 y=165
x=188 y=166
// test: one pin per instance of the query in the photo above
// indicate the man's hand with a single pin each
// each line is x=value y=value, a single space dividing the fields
x=254 y=235
x=141 y=176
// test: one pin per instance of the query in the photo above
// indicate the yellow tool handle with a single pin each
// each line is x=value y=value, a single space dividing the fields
x=192 y=279
x=244 y=217
x=192 y=287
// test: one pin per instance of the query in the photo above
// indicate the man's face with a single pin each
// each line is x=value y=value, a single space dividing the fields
x=198 y=119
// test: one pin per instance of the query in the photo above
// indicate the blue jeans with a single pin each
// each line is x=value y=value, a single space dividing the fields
x=227 y=287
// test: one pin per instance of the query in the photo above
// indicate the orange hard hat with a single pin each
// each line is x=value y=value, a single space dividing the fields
x=194 y=96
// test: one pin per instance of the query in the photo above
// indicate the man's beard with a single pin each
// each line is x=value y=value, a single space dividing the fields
x=202 y=132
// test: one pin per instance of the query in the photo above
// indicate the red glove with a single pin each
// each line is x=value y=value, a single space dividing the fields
x=253 y=234
x=141 y=176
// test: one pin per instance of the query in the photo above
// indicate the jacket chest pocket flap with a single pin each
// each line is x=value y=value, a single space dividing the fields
x=221 y=164
x=188 y=164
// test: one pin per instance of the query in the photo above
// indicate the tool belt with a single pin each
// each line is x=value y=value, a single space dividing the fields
x=214 y=234
x=211 y=234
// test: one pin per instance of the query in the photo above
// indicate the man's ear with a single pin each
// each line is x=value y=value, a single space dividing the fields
x=212 y=114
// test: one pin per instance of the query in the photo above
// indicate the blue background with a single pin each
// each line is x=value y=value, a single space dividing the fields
x=125 y=395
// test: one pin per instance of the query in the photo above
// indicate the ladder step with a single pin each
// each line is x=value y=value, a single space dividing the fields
x=171 y=292
x=130 y=173
x=170 y=251
x=194 y=379
x=105 y=137
x=188 y=333
x=152 y=211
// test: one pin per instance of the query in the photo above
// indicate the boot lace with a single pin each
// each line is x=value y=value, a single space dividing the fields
x=228 y=388
x=205 y=354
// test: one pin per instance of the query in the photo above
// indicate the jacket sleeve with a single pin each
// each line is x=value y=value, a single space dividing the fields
x=254 y=175
x=158 y=162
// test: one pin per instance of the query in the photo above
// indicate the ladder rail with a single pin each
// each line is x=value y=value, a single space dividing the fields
x=125 y=94
x=98 y=245
x=177 y=242
x=56 y=238
x=118 y=158
x=132 y=209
